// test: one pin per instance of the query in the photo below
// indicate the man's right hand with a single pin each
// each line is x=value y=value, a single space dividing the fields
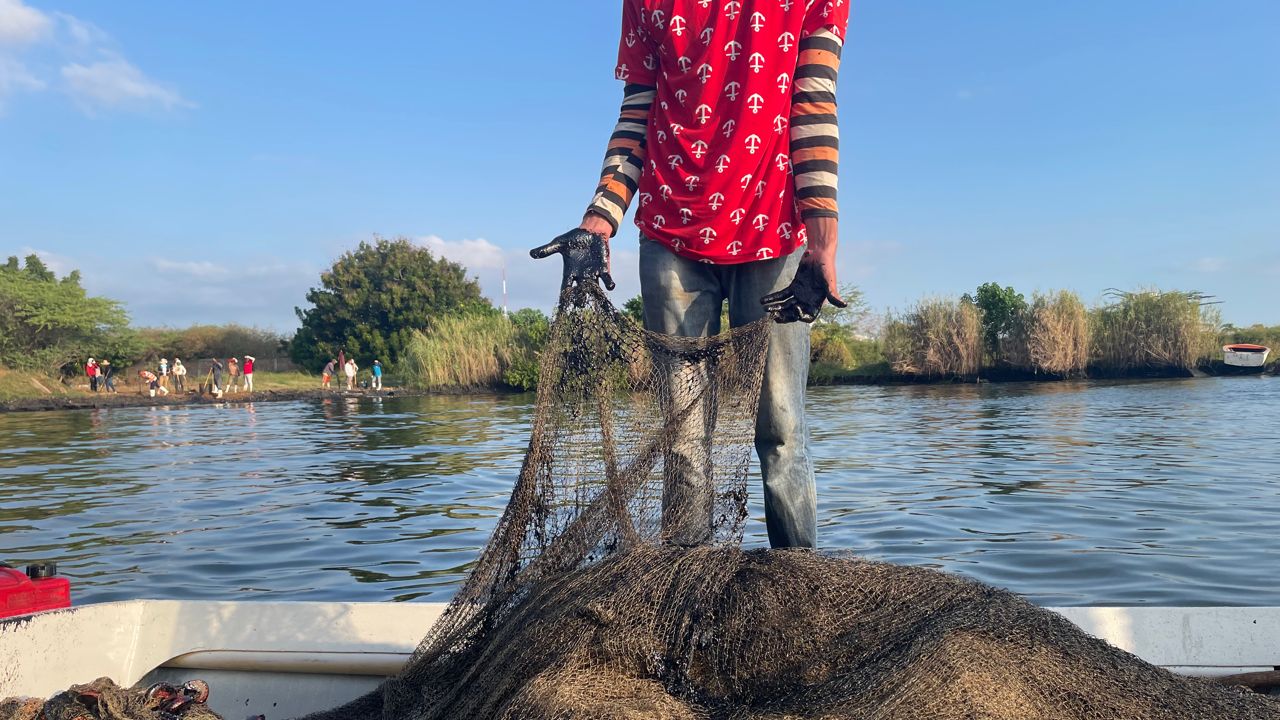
x=585 y=254
x=594 y=223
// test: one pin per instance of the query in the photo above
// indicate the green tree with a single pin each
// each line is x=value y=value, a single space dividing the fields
x=634 y=309
x=48 y=324
x=1002 y=309
x=373 y=298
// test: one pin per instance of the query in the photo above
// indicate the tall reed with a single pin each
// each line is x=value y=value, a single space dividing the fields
x=935 y=338
x=1153 y=330
x=1051 y=336
x=464 y=351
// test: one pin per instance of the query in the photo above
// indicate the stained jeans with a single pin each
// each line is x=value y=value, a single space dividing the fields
x=684 y=297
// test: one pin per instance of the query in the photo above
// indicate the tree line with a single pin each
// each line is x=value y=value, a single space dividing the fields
x=425 y=319
x=52 y=325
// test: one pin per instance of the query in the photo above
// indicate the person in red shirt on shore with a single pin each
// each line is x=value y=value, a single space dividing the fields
x=247 y=368
x=728 y=138
x=91 y=371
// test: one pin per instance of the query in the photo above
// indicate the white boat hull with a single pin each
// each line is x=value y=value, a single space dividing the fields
x=288 y=659
x=1245 y=359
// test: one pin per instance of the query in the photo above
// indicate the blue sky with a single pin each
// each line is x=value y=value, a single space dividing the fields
x=203 y=162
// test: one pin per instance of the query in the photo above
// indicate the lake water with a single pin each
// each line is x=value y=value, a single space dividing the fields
x=1161 y=493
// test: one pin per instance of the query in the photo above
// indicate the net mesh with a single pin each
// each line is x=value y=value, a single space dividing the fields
x=615 y=585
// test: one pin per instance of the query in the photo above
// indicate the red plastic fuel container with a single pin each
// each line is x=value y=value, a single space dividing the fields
x=23 y=593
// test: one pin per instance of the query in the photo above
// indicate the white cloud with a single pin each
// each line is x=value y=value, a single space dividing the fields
x=116 y=83
x=1209 y=264
x=21 y=24
x=478 y=254
x=82 y=32
x=14 y=76
x=94 y=73
x=203 y=269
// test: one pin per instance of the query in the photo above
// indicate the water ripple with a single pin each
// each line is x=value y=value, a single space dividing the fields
x=1160 y=493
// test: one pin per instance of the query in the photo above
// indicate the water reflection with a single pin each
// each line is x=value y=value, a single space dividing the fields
x=1073 y=493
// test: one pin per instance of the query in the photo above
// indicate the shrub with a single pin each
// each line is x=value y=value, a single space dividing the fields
x=206 y=341
x=1002 y=309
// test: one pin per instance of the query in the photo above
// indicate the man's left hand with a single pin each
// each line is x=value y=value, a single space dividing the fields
x=814 y=284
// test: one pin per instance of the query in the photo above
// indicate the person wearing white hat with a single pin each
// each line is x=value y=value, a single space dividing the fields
x=91 y=370
x=246 y=368
x=179 y=375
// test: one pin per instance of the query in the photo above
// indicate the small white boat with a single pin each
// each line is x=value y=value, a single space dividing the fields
x=283 y=660
x=1245 y=355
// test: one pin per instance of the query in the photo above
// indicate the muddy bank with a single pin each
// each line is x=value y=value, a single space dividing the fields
x=121 y=400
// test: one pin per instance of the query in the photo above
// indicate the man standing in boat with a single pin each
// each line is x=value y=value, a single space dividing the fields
x=728 y=137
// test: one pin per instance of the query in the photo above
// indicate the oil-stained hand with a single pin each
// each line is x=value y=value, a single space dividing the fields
x=803 y=298
x=586 y=258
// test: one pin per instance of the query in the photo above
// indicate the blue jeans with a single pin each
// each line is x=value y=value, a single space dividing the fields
x=684 y=297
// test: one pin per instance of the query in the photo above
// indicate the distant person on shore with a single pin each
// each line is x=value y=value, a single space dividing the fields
x=377 y=375
x=350 y=369
x=108 y=373
x=91 y=371
x=327 y=375
x=152 y=381
x=233 y=374
x=179 y=375
x=163 y=371
x=216 y=372
x=247 y=369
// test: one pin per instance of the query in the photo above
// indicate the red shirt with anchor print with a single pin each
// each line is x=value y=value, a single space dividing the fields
x=717 y=186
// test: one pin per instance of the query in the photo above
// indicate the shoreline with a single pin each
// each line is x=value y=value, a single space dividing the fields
x=129 y=400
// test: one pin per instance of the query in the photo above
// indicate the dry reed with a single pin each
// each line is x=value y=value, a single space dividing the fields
x=1052 y=336
x=936 y=338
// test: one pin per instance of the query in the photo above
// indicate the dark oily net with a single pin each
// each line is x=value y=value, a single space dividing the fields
x=601 y=597
x=104 y=700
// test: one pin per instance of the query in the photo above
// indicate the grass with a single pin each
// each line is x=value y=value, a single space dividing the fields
x=18 y=385
x=471 y=351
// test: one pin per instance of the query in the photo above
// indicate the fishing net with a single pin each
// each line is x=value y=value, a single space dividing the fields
x=102 y=699
x=615 y=585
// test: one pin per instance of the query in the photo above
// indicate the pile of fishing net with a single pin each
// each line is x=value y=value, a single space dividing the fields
x=102 y=699
x=616 y=587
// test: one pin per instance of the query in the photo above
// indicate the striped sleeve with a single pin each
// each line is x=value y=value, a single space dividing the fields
x=815 y=133
x=624 y=160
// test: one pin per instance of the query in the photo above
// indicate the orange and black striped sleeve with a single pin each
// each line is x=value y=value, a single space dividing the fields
x=625 y=158
x=815 y=133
